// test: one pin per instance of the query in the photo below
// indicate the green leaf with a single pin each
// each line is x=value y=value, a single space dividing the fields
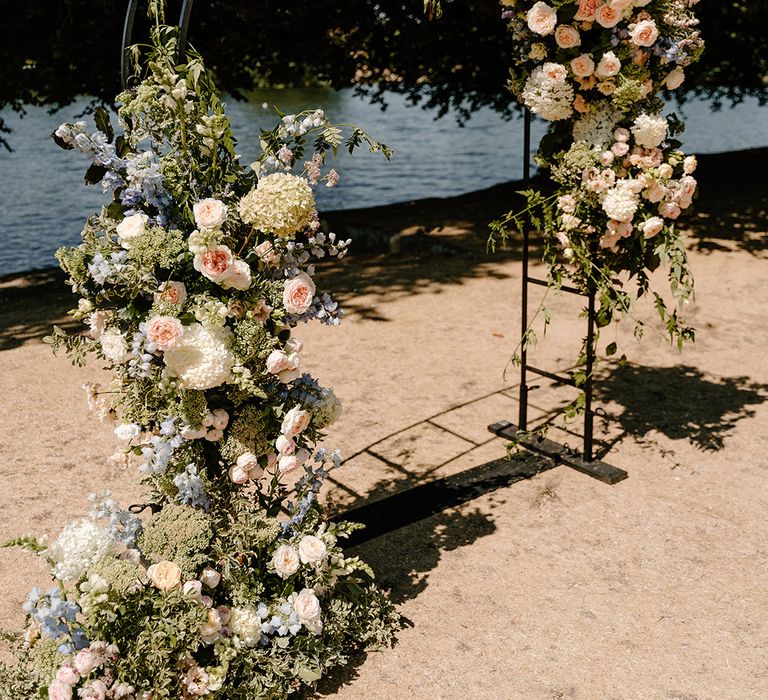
x=94 y=174
x=611 y=349
x=103 y=123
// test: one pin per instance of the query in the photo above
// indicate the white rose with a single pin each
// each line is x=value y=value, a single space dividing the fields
x=130 y=228
x=165 y=575
x=114 y=346
x=127 y=431
x=286 y=561
x=239 y=276
x=209 y=213
x=689 y=164
x=312 y=550
x=609 y=66
x=210 y=577
x=306 y=605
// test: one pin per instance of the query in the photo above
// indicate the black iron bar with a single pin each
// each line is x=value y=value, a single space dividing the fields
x=523 y=415
x=560 y=379
x=562 y=287
x=588 y=415
x=186 y=13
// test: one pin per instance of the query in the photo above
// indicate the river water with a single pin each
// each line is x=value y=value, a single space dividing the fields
x=43 y=200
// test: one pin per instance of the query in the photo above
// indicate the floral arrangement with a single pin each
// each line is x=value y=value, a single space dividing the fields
x=191 y=282
x=594 y=70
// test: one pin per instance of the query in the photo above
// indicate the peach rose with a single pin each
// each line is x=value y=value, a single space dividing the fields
x=541 y=18
x=215 y=263
x=652 y=226
x=621 y=5
x=689 y=164
x=277 y=361
x=655 y=191
x=645 y=33
x=209 y=213
x=665 y=170
x=555 y=72
x=238 y=475
x=567 y=37
x=669 y=210
x=587 y=10
x=674 y=79
x=609 y=66
x=171 y=293
x=583 y=66
x=165 y=575
x=164 y=332
x=688 y=186
x=606 y=16
x=580 y=104
x=298 y=294
x=607 y=157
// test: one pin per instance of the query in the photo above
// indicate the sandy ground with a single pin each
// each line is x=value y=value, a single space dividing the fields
x=557 y=586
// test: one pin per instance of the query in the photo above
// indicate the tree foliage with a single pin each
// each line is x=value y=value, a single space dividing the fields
x=54 y=51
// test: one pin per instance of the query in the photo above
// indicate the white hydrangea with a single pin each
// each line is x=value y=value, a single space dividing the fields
x=620 y=202
x=80 y=545
x=596 y=128
x=649 y=130
x=550 y=99
x=202 y=359
x=327 y=411
x=281 y=204
x=245 y=625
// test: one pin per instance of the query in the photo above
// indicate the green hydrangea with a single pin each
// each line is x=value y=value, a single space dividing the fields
x=192 y=407
x=156 y=247
x=627 y=94
x=246 y=434
x=178 y=533
x=253 y=341
x=121 y=575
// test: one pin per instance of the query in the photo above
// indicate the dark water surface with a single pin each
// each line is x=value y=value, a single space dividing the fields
x=43 y=200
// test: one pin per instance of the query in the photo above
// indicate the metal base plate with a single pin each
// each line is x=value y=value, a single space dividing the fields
x=559 y=453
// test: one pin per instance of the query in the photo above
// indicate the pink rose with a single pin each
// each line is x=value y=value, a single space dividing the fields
x=285 y=445
x=587 y=10
x=298 y=294
x=620 y=148
x=567 y=37
x=287 y=464
x=669 y=210
x=607 y=157
x=249 y=463
x=239 y=276
x=674 y=79
x=209 y=213
x=294 y=422
x=583 y=66
x=606 y=16
x=645 y=33
x=220 y=419
x=67 y=674
x=277 y=361
x=687 y=186
x=238 y=475
x=609 y=66
x=267 y=254
x=86 y=661
x=171 y=293
x=655 y=191
x=164 y=332
x=689 y=164
x=58 y=690
x=541 y=19
x=215 y=263
x=94 y=690
x=652 y=226
x=621 y=134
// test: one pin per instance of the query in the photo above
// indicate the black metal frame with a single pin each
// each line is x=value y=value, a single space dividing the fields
x=585 y=461
x=130 y=18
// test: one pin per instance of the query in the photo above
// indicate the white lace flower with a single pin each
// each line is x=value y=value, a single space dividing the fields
x=80 y=545
x=550 y=99
x=281 y=204
x=202 y=358
x=596 y=128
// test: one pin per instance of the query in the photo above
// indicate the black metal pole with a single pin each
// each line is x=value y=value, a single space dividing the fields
x=590 y=360
x=186 y=12
x=125 y=60
x=523 y=416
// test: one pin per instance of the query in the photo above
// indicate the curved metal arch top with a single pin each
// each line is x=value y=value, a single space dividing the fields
x=130 y=17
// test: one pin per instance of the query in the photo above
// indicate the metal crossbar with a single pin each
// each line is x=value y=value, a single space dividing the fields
x=585 y=461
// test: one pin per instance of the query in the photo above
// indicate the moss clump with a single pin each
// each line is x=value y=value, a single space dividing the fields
x=178 y=533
